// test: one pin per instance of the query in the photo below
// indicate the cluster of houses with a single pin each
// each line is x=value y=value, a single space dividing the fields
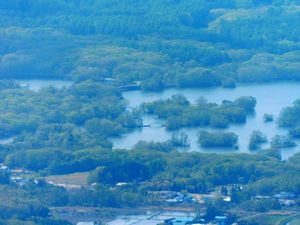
x=218 y=220
x=19 y=177
x=284 y=198
x=172 y=197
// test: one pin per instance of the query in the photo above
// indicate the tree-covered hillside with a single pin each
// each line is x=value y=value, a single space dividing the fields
x=104 y=46
x=159 y=42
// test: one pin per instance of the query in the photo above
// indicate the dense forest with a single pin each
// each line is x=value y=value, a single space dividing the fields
x=160 y=43
x=103 y=46
x=179 y=112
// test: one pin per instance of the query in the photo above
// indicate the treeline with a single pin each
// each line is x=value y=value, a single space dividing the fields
x=193 y=171
x=146 y=170
x=178 y=112
x=289 y=118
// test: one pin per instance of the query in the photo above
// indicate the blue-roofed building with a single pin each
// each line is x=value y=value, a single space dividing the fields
x=179 y=221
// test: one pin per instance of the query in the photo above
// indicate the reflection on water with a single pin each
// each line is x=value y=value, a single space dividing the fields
x=147 y=218
x=271 y=98
x=36 y=85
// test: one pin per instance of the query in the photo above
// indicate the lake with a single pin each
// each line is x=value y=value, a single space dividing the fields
x=36 y=85
x=271 y=98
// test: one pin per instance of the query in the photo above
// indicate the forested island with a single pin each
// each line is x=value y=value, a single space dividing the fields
x=178 y=112
x=56 y=143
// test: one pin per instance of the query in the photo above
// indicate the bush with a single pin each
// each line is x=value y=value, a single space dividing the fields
x=217 y=139
x=257 y=138
x=281 y=141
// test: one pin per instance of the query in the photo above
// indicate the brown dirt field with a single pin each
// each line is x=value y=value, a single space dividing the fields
x=69 y=179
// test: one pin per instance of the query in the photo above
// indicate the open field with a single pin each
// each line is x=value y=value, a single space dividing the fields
x=69 y=179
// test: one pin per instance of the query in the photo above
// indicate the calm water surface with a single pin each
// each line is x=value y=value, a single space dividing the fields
x=271 y=98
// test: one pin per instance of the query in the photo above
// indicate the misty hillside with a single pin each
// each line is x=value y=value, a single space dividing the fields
x=178 y=43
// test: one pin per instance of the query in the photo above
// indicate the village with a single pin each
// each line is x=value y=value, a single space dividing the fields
x=197 y=202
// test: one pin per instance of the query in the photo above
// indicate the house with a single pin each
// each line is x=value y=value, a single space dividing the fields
x=261 y=197
x=122 y=184
x=181 y=198
x=285 y=195
x=69 y=186
x=131 y=87
x=163 y=195
x=39 y=182
x=178 y=221
x=16 y=179
x=227 y=199
x=20 y=181
x=4 y=169
x=197 y=221
x=111 y=81
x=173 y=197
x=169 y=221
x=221 y=220
x=193 y=221
x=19 y=171
x=24 y=86
x=287 y=202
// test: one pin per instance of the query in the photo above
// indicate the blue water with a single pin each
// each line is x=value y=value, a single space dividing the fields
x=271 y=98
